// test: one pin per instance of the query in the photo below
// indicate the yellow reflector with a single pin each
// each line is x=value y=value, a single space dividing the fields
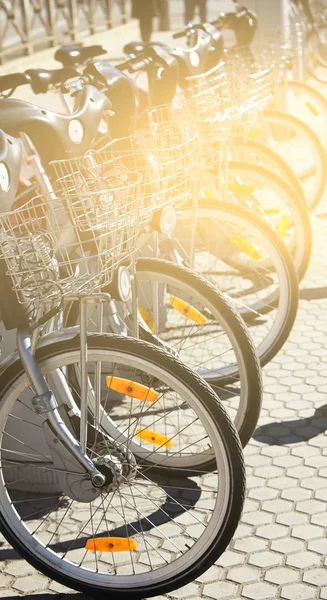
x=131 y=388
x=241 y=189
x=312 y=109
x=312 y=56
x=245 y=247
x=271 y=211
x=158 y=439
x=208 y=193
x=147 y=318
x=283 y=225
x=110 y=544
x=253 y=134
x=187 y=310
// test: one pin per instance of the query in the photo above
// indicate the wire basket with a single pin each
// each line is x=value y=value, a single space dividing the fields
x=162 y=153
x=211 y=107
x=62 y=247
x=168 y=137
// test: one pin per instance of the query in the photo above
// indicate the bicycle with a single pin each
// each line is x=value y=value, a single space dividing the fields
x=100 y=446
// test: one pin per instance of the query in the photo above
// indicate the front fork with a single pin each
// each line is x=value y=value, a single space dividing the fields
x=63 y=445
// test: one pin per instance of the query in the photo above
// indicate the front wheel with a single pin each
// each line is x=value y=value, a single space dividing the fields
x=174 y=498
x=232 y=246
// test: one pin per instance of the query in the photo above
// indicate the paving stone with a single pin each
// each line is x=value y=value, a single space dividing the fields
x=282 y=575
x=19 y=568
x=5 y=580
x=277 y=506
x=292 y=518
x=250 y=544
x=296 y=493
x=272 y=532
x=259 y=591
x=257 y=518
x=243 y=574
x=229 y=558
x=263 y=493
x=318 y=546
x=265 y=559
x=287 y=545
x=320 y=519
x=310 y=506
x=213 y=574
x=281 y=483
x=185 y=592
x=303 y=560
x=307 y=532
x=315 y=576
x=222 y=589
x=297 y=591
x=31 y=583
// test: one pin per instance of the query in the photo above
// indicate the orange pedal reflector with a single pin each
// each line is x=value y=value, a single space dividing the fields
x=271 y=211
x=241 y=189
x=283 y=226
x=187 y=310
x=131 y=388
x=146 y=318
x=245 y=247
x=312 y=109
x=158 y=439
x=110 y=544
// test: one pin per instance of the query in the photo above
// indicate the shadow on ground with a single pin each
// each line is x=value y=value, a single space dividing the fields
x=53 y=597
x=281 y=433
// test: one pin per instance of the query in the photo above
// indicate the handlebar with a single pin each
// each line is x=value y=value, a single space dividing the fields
x=134 y=64
x=192 y=26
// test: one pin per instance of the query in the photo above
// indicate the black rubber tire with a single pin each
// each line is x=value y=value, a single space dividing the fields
x=235 y=323
x=286 y=118
x=226 y=430
x=277 y=182
x=269 y=232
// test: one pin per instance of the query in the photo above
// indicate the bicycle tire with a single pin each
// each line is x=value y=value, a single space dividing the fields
x=215 y=537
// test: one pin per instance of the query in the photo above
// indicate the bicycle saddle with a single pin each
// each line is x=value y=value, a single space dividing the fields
x=56 y=136
x=10 y=164
x=42 y=79
x=76 y=54
x=122 y=93
x=12 y=81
